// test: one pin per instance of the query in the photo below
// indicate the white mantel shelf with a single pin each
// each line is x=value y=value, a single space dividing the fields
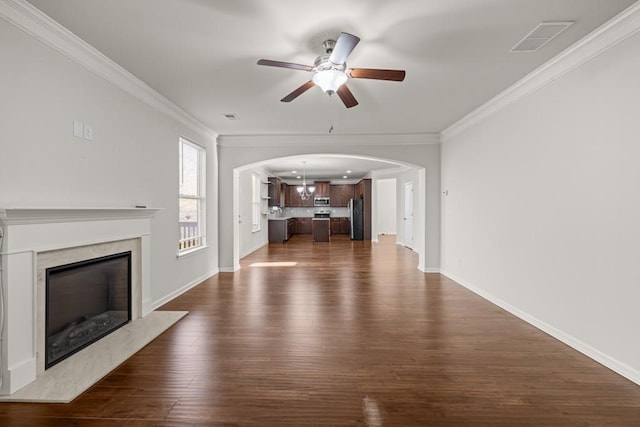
x=17 y=216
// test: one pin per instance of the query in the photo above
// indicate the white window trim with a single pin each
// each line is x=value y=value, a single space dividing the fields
x=201 y=196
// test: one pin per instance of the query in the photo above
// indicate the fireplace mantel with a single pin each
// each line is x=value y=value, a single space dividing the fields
x=30 y=233
x=13 y=216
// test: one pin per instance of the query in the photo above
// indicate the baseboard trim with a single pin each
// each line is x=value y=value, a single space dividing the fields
x=252 y=250
x=19 y=375
x=183 y=289
x=615 y=365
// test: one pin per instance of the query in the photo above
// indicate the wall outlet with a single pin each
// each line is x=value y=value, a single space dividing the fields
x=88 y=133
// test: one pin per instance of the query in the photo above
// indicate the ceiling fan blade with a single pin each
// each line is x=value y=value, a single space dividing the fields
x=344 y=45
x=377 y=74
x=296 y=93
x=347 y=97
x=281 y=64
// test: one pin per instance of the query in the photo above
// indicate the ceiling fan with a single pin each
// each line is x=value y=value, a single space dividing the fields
x=330 y=70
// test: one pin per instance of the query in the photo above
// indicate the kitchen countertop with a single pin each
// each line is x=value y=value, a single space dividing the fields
x=282 y=218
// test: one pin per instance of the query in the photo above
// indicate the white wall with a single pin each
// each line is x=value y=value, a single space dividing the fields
x=386 y=206
x=422 y=151
x=133 y=158
x=250 y=240
x=543 y=208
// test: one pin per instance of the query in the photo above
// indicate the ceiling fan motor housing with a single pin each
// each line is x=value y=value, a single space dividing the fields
x=328 y=45
x=322 y=63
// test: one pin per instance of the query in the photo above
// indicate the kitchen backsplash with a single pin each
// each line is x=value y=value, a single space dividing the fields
x=308 y=212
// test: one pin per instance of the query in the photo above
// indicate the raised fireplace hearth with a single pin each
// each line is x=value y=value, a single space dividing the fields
x=39 y=239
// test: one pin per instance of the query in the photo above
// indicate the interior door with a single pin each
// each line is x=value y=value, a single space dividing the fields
x=408 y=215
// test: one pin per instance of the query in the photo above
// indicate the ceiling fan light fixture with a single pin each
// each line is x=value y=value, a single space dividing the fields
x=329 y=80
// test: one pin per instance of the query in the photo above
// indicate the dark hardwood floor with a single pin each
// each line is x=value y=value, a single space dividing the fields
x=352 y=334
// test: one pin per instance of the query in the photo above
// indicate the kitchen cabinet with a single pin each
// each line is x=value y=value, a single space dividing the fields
x=303 y=225
x=341 y=194
x=291 y=227
x=284 y=195
x=340 y=225
x=322 y=189
x=345 y=228
x=274 y=191
x=277 y=230
x=286 y=188
x=295 y=200
x=306 y=203
x=363 y=189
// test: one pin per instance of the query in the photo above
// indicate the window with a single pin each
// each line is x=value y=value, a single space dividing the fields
x=192 y=196
x=256 y=198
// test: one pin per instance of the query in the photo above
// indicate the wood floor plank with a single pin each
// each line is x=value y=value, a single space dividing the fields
x=353 y=334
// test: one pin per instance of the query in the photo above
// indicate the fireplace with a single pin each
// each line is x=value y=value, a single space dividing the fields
x=84 y=302
x=37 y=239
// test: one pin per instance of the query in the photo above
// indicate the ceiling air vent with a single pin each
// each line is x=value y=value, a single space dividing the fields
x=542 y=34
x=232 y=116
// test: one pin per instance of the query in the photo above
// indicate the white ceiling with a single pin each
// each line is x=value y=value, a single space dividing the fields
x=202 y=54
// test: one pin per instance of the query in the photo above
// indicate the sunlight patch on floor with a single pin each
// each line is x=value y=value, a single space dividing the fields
x=371 y=412
x=274 y=264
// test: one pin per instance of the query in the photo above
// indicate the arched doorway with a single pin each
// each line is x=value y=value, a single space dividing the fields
x=401 y=171
x=419 y=152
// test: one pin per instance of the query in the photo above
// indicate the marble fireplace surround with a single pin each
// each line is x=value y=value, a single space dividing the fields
x=38 y=238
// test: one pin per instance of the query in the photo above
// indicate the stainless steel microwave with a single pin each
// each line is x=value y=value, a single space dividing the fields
x=321 y=201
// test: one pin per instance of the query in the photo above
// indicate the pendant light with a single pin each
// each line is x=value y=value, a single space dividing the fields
x=305 y=192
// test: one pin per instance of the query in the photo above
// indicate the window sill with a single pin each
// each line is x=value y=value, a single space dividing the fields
x=191 y=251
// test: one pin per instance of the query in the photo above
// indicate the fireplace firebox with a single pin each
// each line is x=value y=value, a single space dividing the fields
x=85 y=301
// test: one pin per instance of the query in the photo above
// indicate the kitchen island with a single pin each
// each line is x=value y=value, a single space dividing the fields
x=321 y=229
x=281 y=229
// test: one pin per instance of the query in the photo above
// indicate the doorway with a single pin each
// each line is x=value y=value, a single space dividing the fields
x=408 y=215
x=386 y=210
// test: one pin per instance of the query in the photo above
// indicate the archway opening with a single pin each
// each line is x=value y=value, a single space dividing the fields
x=382 y=169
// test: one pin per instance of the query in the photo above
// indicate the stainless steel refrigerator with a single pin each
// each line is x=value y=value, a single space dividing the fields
x=357 y=219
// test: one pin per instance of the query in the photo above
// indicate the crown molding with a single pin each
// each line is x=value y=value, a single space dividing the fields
x=34 y=22
x=328 y=140
x=616 y=30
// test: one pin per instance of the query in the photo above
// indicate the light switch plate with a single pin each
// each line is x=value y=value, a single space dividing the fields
x=78 y=128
